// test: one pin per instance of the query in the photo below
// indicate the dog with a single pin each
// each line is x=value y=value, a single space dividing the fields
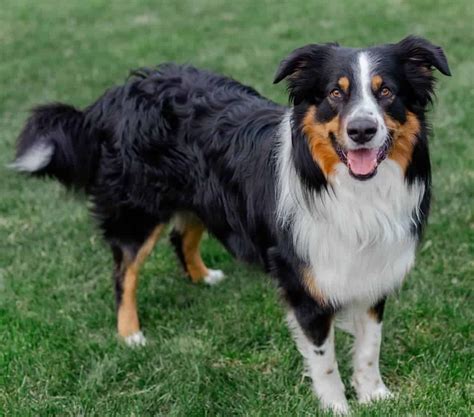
x=329 y=195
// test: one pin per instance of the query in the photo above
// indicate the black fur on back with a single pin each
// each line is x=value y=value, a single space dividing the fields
x=170 y=139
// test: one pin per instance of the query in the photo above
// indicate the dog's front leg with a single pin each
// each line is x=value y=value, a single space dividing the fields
x=311 y=321
x=314 y=336
x=367 y=330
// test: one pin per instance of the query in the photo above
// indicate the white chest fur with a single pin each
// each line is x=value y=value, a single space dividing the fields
x=357 y=236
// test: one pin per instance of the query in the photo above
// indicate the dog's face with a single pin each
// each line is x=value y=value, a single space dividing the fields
x=359 y=106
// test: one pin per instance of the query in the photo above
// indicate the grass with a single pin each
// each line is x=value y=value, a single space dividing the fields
x=225 y=350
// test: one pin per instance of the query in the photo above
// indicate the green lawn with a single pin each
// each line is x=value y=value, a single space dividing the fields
x=224 y=350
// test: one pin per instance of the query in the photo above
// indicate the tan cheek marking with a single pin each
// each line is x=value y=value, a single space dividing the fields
x=320 y=146
x=195 y=266
x=344 y=84
x=376 y=82
x=404 y=139
x=310 y=285
x=127 y=316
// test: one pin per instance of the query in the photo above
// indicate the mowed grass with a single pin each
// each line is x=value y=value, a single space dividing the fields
x=225 y=350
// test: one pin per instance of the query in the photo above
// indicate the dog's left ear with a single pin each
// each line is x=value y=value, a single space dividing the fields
x=419 y=52
x=418 y=57
x=307 y=56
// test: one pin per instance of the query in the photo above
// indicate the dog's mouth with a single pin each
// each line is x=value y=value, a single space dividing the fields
x=363 y=162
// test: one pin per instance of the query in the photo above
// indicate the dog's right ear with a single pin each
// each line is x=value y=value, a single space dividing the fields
x=309 y=56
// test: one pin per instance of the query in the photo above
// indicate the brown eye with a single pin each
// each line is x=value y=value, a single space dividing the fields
x=336 y=94
x=385 y=92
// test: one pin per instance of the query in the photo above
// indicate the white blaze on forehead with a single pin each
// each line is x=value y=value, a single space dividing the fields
x=367 y=104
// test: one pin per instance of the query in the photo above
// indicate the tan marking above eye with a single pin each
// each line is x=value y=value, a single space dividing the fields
x=344 y=84
x=377 y=82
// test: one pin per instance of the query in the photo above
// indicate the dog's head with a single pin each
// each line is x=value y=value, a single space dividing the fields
x=359 y=106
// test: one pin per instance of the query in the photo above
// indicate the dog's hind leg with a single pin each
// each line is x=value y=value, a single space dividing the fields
x=186 y=238
x=129 y=256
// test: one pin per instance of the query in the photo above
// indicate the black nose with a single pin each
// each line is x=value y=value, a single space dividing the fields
x=361 y=130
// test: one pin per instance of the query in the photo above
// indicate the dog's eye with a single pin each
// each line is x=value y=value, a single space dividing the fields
x=336 y=94
x=385 y=92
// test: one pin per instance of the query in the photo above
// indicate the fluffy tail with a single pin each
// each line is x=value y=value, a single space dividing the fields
x=57 y=141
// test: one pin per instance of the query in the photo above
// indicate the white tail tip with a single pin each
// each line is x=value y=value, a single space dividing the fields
x=34 y=158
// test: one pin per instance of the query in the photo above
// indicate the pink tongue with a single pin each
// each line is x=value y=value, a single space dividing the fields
x=362 y=161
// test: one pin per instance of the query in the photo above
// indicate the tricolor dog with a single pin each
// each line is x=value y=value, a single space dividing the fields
x=329 y=195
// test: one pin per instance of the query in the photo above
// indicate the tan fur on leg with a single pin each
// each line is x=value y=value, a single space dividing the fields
x=195 y=266
x=127 y=316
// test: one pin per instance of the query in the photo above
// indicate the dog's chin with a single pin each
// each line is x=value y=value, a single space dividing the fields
x=363 y=177
x=362 y=163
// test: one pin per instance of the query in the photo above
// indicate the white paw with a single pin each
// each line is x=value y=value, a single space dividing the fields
x=332 y=397
x=214 y=277
x=379 y=393
x=135 y=340
x=340 y=408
